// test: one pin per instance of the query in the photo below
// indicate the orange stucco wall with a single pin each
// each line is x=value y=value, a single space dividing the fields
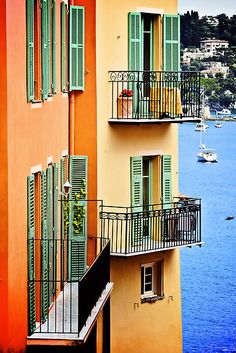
x=30 y=134
x=85 y=111
x=3 y=178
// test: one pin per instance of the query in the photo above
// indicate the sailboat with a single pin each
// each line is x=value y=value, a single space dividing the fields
x=205 y=154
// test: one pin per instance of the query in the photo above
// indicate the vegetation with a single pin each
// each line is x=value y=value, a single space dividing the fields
x=194 y=28
x=78 y=212
x=219 y=91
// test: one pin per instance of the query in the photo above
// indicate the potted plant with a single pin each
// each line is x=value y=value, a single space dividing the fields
x=124 y=104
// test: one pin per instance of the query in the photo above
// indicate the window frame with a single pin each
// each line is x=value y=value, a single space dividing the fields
x=157 y=275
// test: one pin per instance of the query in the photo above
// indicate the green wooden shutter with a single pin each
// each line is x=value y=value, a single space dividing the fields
x=48 y=29
x=49 y=175
x=63 y=46
x=44 y=48
x=31 y=254
x=30 y=49
x=171 y=42
x=55 y=221
x=62 y=180
x=78 y=166
x=135 y=41
x=54 y=47
x=137 y=197
x=166 y=181
x=76 y=48
x=44 y=251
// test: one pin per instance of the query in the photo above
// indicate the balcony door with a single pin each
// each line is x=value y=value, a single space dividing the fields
x=151 y=189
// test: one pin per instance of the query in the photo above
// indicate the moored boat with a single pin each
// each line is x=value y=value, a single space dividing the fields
x=201 y=126
x=218 y=125
x=223 y=112
x=207 y=155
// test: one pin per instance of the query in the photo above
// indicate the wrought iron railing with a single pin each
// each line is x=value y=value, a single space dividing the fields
x=133 y=230
x=59 y=304
x=154 y=95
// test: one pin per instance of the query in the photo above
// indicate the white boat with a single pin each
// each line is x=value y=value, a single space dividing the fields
x=201 y=126
x=224 y=112
x=207 y=155
x=218 y=125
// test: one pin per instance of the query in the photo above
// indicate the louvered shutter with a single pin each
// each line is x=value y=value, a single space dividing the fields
x=78 y=166
x=63 y=46
x=76 y=48
x=135 y=41
x=48 y=29
x=55 y=221
x=31 y=254
x=44 y=48
x=49 y=176
x=44 y=251
x=54 y=47
x=171 y=42
x=64 y=235
x=135 y=57
x=30 y=50
x=137 y=197
x=166 y=181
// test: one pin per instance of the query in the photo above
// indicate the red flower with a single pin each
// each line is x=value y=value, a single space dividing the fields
x=126 y=93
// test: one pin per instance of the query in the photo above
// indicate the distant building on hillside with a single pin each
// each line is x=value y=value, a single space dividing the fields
x=215 y=67
x=211 y=45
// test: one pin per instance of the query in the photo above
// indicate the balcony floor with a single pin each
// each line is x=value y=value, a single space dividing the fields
x=62 y=322
x=145 y=248
x=153 y=121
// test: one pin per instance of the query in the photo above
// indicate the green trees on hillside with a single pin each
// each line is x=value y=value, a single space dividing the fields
x=194 y=28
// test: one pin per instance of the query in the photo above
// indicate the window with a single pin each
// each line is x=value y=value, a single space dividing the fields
x=144 y=41
x=151 y=185
x=41 y=49
x=152 y=281
x=64 y=47
x=76 y=48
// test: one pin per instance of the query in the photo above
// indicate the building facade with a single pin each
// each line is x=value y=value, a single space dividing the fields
x=139 y=106
x=48 y=115
x=92 y=98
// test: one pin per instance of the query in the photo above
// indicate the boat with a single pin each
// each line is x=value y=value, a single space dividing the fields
x=201 y=126
x=206 y=155
x=223 y=112
x=218 y=125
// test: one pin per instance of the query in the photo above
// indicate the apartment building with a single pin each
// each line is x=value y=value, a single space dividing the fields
x=48 y=135
x=91 y=101
x=141 y=98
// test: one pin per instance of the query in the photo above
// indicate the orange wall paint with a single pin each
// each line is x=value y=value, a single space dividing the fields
x=85 y=111
x=33 y=135
x=3 y=181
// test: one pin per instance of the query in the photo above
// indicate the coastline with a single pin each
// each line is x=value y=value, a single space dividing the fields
x=217 y=118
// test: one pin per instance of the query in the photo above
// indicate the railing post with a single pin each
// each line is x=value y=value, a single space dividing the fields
x=126 y=230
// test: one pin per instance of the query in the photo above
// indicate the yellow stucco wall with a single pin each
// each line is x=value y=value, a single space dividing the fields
x=135 y=327
x=145 y=327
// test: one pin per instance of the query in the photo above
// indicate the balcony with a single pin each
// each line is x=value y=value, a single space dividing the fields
x=67 y=309
x=154 y=97
x=153 y=228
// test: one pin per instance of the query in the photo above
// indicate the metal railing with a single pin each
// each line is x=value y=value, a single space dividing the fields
x=133 y=230
x=60 y=303
x=155 y=95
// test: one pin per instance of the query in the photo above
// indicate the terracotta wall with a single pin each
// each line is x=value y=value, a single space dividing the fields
x=34 y=132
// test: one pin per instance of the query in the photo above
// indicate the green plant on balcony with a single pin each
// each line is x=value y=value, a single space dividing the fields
x=78 y=211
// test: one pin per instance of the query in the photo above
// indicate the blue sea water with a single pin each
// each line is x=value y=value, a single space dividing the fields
x=208 y=274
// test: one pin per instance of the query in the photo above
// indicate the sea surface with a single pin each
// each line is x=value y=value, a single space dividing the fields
x=208 y=274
